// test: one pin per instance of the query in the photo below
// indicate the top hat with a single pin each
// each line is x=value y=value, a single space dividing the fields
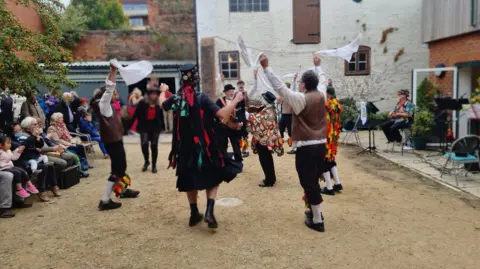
x=228 y=87
x=269 y=97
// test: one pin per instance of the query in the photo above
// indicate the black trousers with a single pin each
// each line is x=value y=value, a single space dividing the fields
x=234 y=136
x=266 y=161
x=392 y=130
x=150 y=137
x=286 y=123
x=310 y=162
x=20 y=176
x=47 y=178
x=118 y=159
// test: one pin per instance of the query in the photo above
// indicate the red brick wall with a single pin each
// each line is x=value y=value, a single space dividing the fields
x=465 y=48
x=132 y=45
x=171 y=36
x=27 y=16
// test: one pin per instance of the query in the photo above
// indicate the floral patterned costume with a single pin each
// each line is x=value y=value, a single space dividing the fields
x=264 y=128
x=334 y=110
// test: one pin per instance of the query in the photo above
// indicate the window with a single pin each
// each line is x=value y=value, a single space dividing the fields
x=132 y=7
x=306 y=21
x=229 y=64
x=359 y=65
x=249 y=5
x=136 y=22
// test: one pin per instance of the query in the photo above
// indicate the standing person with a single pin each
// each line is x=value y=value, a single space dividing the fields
x=286 y=119
x=200 y=164
x=149 y=114
x=111 y=132
x=228 y=129
x=244 y=142
x=334 y=110
x=67 y=111
x=133 y=100
x=6 y=179
x=31 y=108
x=117 y=102
x=310 y=132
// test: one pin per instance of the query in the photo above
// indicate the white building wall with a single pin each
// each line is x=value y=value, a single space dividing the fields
x=272 y=32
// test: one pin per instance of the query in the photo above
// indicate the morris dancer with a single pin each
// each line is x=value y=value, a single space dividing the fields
x=310 y=133
x=111 y=133
x=199 y=162
x=244 y=145
x=334 y=110
x=266 y=139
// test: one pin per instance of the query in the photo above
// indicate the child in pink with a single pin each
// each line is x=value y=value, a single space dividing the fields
x=19 y=175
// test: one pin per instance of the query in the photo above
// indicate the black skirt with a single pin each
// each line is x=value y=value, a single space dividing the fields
x=190 y=178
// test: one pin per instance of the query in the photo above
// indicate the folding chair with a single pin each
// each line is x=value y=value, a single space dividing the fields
x=87 y=145
x=354 y=132
x=406 y=133
x=463 y=151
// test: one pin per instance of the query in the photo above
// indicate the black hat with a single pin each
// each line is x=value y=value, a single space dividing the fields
x=188 y=72
x=331 y=90
x=228 y=87
x=153 y=90
x=404 y=92
x=269 y=97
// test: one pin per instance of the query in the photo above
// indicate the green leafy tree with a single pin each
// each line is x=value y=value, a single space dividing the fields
x=29 y=59
x=102 y=14
x=73 y=25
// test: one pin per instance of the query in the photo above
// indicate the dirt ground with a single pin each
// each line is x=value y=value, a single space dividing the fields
x=385 y=218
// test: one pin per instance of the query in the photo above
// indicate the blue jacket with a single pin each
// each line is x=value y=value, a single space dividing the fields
x=87 y=127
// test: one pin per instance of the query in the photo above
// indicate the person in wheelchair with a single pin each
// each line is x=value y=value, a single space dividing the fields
x=400 y=117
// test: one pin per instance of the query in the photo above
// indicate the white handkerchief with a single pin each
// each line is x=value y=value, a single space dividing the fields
x=134 y=73
x=345 y=52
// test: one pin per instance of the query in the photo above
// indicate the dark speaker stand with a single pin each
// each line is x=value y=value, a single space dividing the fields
x=371 y=142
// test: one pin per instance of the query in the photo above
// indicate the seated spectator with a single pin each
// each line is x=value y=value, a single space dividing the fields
x=46 y=178
x=399 y=118
x=82 y=106
x=87 y=127
x=20 y=176
x=6 y=179
x=33 y=145
x=60 y=157
x=31 y=108
x=59 y=133
x=67 y=111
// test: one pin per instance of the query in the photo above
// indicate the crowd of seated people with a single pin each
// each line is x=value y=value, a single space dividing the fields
x=41 y=143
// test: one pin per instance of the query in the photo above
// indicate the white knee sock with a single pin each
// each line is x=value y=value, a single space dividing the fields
x=317 y=213
x=328 y=180
x=108 y=191
x=335 y=175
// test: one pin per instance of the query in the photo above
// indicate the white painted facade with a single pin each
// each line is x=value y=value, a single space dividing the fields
x=341 y=21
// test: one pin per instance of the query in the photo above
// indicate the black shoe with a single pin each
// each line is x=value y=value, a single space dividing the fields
x=209 y=216
x=90 y=166
x=21 y=205
x=154 y=170
x=6 y=213
x=327 y=191
x=108 y=206
x=145 y=166
x=319 y=227
x=245 y=154
x=129 y=193
x=84 y=174
x=195 y=219
x=293 y=151
x=266 y=185
x=337 y=187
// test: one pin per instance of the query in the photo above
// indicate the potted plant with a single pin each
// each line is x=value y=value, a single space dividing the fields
x=423 y=123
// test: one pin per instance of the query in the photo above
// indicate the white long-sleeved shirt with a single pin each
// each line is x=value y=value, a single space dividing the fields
x=295 y=99
x=106 y=100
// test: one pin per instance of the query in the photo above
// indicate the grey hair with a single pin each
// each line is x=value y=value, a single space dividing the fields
x=56 y=116
x=27 y=122
x=310 y=79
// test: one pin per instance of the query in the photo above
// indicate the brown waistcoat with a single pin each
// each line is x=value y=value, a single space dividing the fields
x=311 y=123
x=111 y=129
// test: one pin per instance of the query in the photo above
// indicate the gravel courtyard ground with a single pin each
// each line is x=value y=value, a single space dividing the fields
x=385 y=218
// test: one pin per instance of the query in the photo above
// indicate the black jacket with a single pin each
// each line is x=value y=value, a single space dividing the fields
x=144 y=125
x=31 y=145
x=63 y=108
x=239 y=109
